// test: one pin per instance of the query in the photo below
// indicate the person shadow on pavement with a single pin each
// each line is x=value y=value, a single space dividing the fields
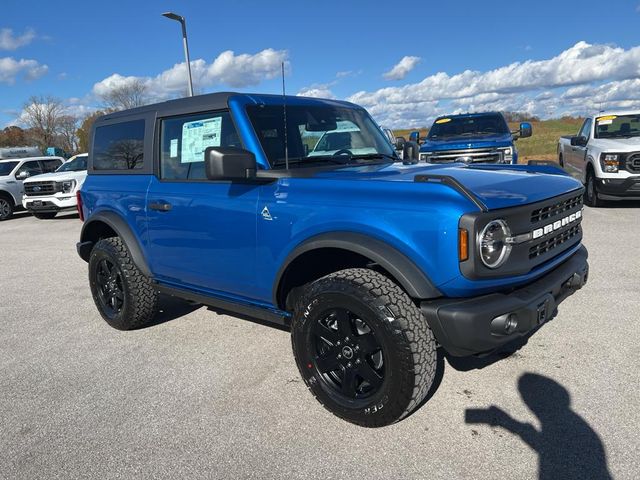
x=567 y=446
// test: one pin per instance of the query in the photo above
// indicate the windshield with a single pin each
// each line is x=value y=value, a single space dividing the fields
x=618 y=126
x=463 y=126
x=7 y=167
x=76 y=165
x=319 y=135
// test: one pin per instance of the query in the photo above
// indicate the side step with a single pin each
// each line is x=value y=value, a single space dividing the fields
x=277 y=317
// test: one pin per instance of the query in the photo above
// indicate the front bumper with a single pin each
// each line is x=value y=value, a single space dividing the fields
x=468 y=326
x=49 y=203
x=619 y=188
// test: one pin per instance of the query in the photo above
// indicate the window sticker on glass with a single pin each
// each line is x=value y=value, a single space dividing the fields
x=607 y=120
x=173 y=148
x=197 y=136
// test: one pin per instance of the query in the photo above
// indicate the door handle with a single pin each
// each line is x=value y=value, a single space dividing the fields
x=160 y=206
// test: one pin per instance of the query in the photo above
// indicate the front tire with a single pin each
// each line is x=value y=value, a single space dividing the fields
x=125 y=298
x=6 y=207
x=45 y=215
x=363 y=347
x=591 y=191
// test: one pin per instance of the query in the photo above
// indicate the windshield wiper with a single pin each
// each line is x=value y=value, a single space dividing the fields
x=373 y=156
x=338 y=160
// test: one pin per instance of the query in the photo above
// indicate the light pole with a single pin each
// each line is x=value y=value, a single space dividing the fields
x=178 y=18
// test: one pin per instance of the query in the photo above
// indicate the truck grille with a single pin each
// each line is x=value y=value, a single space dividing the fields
x=633 y=163
x=487 y=155
x=34 y=189
x=554 y=242
x=555 y=209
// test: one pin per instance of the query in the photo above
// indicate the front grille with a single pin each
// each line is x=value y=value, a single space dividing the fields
x=556 y=209
x=34 y=189
x=553 y=242
x=633 y=163
x=470 y=156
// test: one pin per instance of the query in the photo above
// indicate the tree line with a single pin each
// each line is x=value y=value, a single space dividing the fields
x=46 y=122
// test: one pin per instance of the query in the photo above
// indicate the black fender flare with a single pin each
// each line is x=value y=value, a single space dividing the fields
x=120 y=226
x=410 y=277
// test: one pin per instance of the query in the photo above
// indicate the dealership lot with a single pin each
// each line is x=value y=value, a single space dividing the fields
x=202 y=395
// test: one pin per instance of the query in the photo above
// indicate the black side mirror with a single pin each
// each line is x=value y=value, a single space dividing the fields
x=414 y=136
x=229 y=163
x=410 y=152
x=526 y=130
x=400 y=141
x=578 y=141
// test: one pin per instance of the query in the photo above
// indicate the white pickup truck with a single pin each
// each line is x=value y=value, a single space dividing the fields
x=605 y=155
x=46 y=195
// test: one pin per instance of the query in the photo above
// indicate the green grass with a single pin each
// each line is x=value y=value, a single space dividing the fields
x=542 y=145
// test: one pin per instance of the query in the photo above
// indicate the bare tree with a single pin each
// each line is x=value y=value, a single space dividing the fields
x=42 y=114
x=131 y=94
x=68 y=133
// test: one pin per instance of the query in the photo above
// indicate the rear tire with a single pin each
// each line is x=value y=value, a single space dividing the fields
x=6 y=207
x=125 y=298
x=560 y=160
x=363 y=347
x=591 y=191
x=45 y=215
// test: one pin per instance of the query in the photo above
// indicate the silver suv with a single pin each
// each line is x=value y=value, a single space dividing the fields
x=12 y=174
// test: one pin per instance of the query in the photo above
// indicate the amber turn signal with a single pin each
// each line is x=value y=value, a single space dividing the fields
x=463 y=245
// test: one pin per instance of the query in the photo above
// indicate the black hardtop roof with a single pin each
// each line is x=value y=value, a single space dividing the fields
x=214 y=101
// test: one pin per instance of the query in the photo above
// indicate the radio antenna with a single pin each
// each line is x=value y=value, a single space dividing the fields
x=286 y=137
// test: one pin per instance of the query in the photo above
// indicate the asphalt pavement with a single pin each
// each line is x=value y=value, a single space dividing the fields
x=203 y=395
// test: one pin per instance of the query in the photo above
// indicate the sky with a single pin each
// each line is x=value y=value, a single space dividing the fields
x=405 y=65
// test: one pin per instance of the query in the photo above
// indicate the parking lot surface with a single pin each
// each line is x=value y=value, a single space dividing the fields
x=203 y=395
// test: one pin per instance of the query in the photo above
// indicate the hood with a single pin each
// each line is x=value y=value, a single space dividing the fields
x=58 y=177
x=630 y=144
x=496 y=186
x=467 y=142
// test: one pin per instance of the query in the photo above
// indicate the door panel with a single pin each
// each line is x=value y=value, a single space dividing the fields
x=203 y=234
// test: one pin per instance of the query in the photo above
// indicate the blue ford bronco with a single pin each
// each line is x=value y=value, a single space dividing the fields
x=298 y=211
x=473 y=138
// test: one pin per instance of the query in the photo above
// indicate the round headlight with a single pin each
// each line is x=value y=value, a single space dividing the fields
x=492 y=242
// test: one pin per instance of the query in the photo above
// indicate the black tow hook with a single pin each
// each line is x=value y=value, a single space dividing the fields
x=575 y=282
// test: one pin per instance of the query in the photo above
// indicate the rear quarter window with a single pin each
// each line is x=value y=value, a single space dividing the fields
x=119 y=146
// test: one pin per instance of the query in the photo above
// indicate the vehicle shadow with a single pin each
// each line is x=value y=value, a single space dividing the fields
x=566 y=445
x=464 y=364
x=171 y=308
x=67 y=216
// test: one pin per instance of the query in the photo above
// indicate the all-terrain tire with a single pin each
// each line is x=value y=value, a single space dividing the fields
x=591 y=191
x=139 y=299
x=6 y=206
x=407 y=344
x=45 y=215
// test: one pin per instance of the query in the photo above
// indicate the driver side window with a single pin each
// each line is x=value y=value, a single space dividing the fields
x=585 y=131
x=32 y=168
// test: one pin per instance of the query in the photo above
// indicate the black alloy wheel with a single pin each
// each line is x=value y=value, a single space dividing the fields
x=110 y=289
x=347 y=355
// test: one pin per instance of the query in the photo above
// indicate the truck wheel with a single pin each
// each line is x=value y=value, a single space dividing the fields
x=6 y=207
x=560 y=161
x=45 y=215
x=363 y=347
x=591 y=191
x=125 y=298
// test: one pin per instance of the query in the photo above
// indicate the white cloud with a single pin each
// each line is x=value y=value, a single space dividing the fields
x=227 y=69
x=9 y=41
x=11 y=69
x=402 y=68
x=579 y=70
x=320 y=90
